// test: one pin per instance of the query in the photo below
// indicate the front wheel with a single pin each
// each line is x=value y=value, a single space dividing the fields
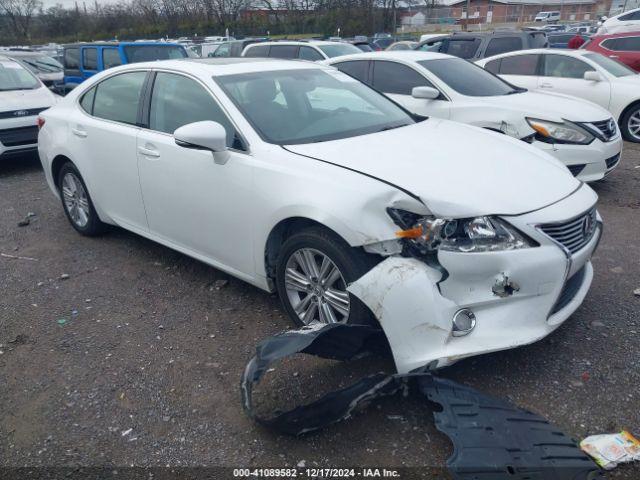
x=630 y=124
x=313 y=270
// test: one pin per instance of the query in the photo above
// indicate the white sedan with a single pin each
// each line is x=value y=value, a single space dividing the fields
x=580 y=73
x=580 y=134
x=299 y=179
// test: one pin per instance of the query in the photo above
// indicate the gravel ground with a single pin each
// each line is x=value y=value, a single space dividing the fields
x=116 y=351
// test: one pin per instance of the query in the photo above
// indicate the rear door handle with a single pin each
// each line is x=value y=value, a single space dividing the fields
x=148 y=152
x=546 y=85
x=79 y=133
x=614 y=56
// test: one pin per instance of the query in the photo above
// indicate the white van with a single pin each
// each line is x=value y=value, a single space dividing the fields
x=548 y=16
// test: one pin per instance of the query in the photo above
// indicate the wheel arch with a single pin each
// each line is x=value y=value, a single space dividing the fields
x=56 y=166
x=627 y=108
x=279 y=234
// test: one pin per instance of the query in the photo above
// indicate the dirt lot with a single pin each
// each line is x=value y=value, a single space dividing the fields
x=135 y=358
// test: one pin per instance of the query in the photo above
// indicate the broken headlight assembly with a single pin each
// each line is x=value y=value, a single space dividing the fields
x=565 y=132
x=478 y=234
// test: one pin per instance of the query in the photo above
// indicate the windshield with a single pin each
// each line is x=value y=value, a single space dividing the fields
x=310 y=105
x=468 y=79
x=338 y=50
x=14 y=76
x=614 y=67
x=42 y=64
x=149 y=53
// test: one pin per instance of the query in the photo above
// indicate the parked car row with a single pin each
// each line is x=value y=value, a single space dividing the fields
x=580 y=73
x=302 y=180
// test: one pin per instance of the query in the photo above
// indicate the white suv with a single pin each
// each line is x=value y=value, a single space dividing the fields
x=313 y=51
x=22 y=97
x=628 y=21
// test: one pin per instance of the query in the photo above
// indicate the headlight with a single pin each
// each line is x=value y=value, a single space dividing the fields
x=565 y=132
x=479 y=234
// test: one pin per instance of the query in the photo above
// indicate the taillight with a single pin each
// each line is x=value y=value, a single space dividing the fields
x=40 y=122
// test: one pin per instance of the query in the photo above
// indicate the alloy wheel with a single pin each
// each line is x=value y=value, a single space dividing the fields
x=633 y=125
x=316 y=288
x=76 y=200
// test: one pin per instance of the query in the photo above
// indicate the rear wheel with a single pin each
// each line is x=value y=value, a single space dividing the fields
x=77 y=203
x=630 y=124
x=313 y=270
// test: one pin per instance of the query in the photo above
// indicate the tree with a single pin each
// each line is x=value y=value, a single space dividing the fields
x=20 y=14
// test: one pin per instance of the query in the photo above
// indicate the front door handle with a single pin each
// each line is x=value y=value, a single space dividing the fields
x=79 y=133
x=546 y=85
x=147 y=152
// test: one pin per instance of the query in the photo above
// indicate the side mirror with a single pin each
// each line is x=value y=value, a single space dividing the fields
x=593 y=76
x=427 y=93
x=205 y=135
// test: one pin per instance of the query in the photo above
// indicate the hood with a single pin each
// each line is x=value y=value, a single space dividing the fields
x=457 y=170
x=630 y=80
x=26 y=99
x=554 y=107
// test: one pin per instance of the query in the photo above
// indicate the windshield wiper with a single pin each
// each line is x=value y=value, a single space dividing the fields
x=392 y=127
x=516 y=90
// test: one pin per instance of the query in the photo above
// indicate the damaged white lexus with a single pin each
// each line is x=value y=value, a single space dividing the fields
x=299 y=179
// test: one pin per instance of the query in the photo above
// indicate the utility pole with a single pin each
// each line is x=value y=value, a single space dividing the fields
x=466 y=20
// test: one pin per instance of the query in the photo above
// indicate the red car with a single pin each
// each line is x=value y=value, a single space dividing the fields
x=624 y=47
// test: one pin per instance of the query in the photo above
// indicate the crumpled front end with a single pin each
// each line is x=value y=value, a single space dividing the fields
x=500 y=299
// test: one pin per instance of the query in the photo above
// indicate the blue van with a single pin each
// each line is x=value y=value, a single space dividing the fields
x=82 y=60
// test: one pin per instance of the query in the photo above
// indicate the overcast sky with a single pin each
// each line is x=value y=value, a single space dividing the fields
x=71 y=3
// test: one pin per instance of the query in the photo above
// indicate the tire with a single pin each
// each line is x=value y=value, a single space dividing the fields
x=77 y=204
x=351 y=263
x=630 y=120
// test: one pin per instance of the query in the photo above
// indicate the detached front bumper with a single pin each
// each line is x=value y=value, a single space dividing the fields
x=590 y=162
x=415 y=303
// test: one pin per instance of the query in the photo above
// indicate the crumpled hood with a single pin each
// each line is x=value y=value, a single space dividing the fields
x=550 y=106
x=457 y=170
x=26 y=99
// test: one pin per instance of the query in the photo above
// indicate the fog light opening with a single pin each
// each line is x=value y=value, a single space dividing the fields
x=464 y=321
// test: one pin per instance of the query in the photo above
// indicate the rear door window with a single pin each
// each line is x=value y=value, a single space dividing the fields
x=308 y=53
x=117 y=98
x=90 y=58
x=519 y=65
x=357 y=69
x=462 y=48
x=502 y=45
x=391 y=77
x=111 y=58
x=257 y=51
x=72 y=58
x=284 y=51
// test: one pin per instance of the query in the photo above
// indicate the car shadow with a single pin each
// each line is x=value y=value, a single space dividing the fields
x=17 y=164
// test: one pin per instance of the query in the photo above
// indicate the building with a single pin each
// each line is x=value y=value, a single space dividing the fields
x=506 y=11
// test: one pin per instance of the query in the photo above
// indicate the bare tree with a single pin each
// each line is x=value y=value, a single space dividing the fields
x=20 y=14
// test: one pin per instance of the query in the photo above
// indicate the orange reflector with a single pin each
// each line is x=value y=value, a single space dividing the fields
x=411 y=233
x=541 y=130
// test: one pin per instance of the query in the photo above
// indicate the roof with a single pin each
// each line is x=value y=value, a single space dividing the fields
x=548 y=51
x=223 y=66
x=401 y=55
x=116 y=44
x=301 y=42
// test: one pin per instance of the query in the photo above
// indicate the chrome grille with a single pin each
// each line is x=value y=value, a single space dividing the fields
x=573 y=234
x=607 y=128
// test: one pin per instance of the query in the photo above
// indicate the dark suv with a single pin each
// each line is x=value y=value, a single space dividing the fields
x=473 y=46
